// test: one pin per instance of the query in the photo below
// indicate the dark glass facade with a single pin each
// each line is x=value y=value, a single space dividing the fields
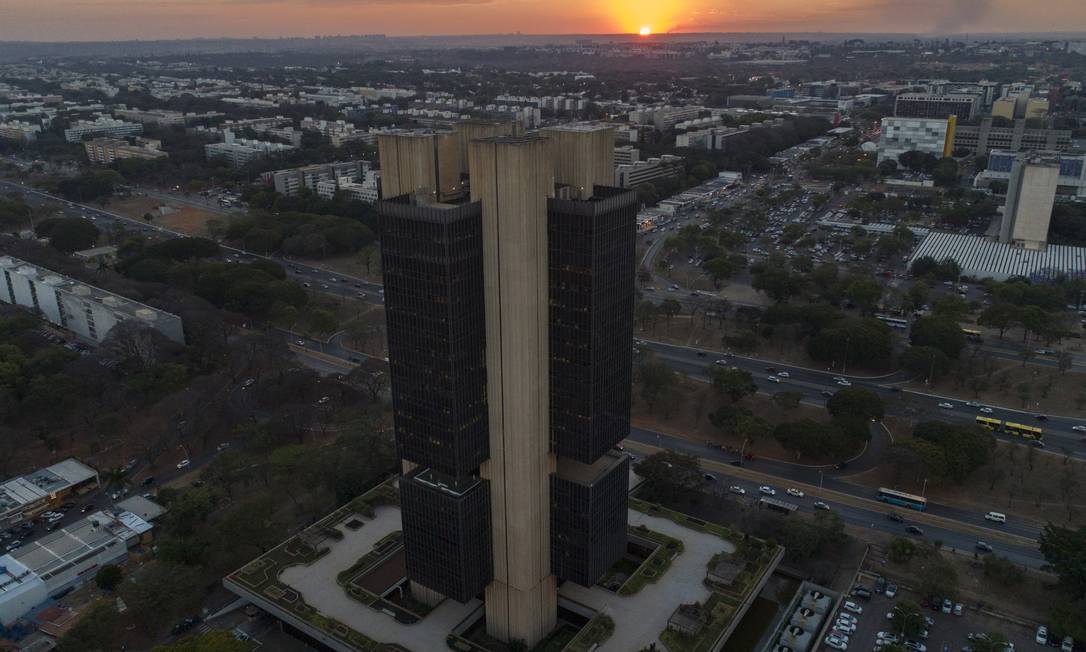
x=592 y=260
x=446 y=528
x=588 y=517
x=432 y=260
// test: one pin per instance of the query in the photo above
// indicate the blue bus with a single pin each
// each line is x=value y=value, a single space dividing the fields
x=902 y=499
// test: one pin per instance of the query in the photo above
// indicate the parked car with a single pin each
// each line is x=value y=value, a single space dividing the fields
x=861 y=592
x=887 y=637
x=836 y=643
x=916 y=646
x=891 y=590
x=948 y=606
x=853 y=607
x=880 y=584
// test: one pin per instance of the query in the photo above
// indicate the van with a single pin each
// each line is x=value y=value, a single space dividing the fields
x=996 y=516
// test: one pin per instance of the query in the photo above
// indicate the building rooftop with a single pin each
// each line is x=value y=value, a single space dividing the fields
x=980 y=257
x=587 y=474
x=26 y=489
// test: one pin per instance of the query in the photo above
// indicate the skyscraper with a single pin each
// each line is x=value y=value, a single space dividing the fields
x=510 y=319
x=1031 y=192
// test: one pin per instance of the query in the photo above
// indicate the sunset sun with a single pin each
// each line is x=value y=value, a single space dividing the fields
x=645 y=30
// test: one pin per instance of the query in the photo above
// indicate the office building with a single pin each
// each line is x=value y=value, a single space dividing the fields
x=927 y=105
x=1070 y=183
x=83 y=309
x=984 y=138
x=638 y=172
x=104 y=151
x=1031 y=192
x=19 y=131
x=900 y=135
x=103 y=126
x=239 y=151
x=1007 y=108
x=627 y=154
x=510 y=310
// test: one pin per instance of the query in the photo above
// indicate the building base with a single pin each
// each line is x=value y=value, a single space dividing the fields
x=528 y=616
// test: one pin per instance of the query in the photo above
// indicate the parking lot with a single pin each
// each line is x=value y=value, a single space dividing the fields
x=948 y=633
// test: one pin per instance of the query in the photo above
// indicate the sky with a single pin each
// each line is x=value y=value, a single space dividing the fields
x=83 y=20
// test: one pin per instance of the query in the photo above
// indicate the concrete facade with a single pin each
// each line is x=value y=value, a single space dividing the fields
x=512 y=179
x=1031 y=192
x=583 y=156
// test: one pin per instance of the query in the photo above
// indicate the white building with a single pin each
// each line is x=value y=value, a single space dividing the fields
x=981 y=258
x=28 y=495
x=66 y=558
x=239 y=151
x=83 y=309
x=634 y=174
x=900 y=135
x=1031 y=193
x=103 y=126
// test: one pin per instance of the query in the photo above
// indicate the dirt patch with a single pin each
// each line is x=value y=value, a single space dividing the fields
x=176 y=217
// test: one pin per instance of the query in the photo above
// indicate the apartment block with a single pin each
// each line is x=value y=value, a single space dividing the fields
x=927 y=105
x=103 y=151
x=103 y=126
x=638 y=172
x=19 y=131
x=239 y=151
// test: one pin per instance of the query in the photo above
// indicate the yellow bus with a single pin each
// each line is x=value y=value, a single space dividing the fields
x=972 y=335
x=989 y=423
x=1027 y=432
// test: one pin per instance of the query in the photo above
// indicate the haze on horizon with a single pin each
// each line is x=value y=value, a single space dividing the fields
x=103 y=20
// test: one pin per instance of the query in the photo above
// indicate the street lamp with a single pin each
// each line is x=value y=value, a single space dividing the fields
x=924 y=490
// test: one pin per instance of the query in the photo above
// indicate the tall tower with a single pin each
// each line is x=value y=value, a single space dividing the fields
x=510 y=317
x=1031 y=192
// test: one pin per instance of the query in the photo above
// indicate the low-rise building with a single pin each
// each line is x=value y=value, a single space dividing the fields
x=984 y=138
x=28 y=495
x=239 y=151
x=104 y=151
x=290 y=181
x=19 y=131
x=928 y=135
x=103 y=126
x=634 y=174
x=85 y=310
x=38 y=570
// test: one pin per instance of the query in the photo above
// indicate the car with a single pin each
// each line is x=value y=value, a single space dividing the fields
x=844 y=627
x=986 y=410
x=844 y=383
x=958 y=608
x=891 y=590
x=795 y=493
x=1078 y=428
x=784 y=374
x=709 y=477
x=839 y=636
x=880 y=584
x=13 y=545
x=912 y=529
x=183 y=463
x=836 y=643
x=821 y=505
x=324 y=399
x=838 y=378
x=300 y=342
x=948 y=606
x=916 y=646
x=853 y=607
x=223 y=446
x=887 y=637
x=1040 y=417
x=844 y=615
x=722 y=363
x=827 y=393
x=773 y=379
x=895 y=517
x=701 y=354
x=248 y=383
x=767 y=490
x=1042 y=635
x=983 y=547
x=1068 y=644
x=972 y=404
x=946 y=406
x=737 y=490
x=149 y=480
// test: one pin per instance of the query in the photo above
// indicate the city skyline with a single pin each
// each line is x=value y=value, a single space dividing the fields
x=90 y=20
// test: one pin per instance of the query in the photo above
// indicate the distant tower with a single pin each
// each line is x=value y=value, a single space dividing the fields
x=1031 y=192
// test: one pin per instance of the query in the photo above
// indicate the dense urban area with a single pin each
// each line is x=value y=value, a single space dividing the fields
x=676 y=342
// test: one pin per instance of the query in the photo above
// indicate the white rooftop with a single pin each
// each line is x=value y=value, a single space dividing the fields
x=981 y=257
x=35 y=486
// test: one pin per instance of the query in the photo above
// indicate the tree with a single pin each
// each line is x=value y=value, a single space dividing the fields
x=991 y=642
x=788 y=400
x=937 y=576
x=856 y=403
x=888 y=168
x=865 y=293
x=68 y=234
x=160 y=593
x=108 y=577
x=776 y=281
x=1065 y=551
x=907 y=619
x=926 y=362
x=670 y=308
x=96 y=631
x=646 y=313
x=733 y=383
x=216 y=640
x=657 y=381
x=940 y=333
x=670 y=475
x=901 y=550
x=945 y=172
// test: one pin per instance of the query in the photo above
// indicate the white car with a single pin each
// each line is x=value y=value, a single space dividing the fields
x=844 y=383
x=1078 y=428
x=722 y=363
x=853 y=607
x=773 y=379
x=183 y=463
x=844 y=615
x=784 y=374
x=821 y=505
x=767 y=490
x=836 y=643
x=947 y=406
x=844 y=626
x=795 y=492
x=887 y=637
x=972 y=404
x=1042 y=635
x=737 y=490
x=986 y=410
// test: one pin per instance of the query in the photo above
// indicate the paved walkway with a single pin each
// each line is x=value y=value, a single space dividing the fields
x=317 y=583
x=640 y=618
